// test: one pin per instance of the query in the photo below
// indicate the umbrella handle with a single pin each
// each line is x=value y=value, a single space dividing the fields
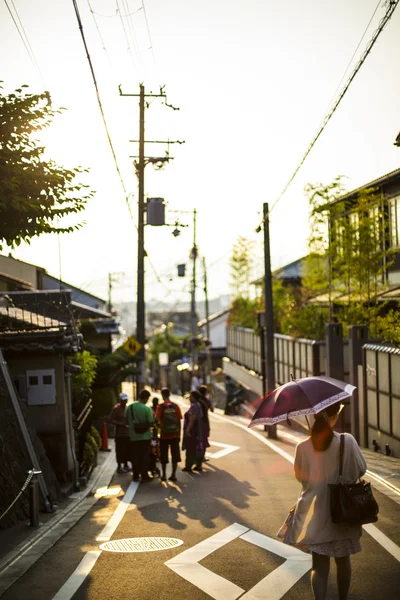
x=291 y=377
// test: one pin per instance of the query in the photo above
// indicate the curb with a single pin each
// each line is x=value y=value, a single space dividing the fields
x=10 y=570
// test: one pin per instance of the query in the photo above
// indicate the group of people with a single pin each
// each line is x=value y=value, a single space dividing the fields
x=143 y=434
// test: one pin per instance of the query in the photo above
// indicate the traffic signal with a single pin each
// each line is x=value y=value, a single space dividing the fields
x=181 y=270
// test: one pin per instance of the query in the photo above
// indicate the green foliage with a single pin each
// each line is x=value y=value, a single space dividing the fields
x=113 y=368
x=88 y=457
x=389 y=327
x=241 y=264
x=104 y=398
x=244 y=312
x=96 y=436
x=165 y=342
x=35 y=193
x=294 y=317
x=82 y=381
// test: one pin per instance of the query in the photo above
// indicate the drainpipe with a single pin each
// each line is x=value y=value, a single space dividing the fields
x=77 y=484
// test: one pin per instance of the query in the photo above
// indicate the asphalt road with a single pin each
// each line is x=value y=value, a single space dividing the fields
x=241 y=498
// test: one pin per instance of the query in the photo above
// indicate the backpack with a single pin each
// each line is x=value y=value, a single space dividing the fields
x=170 y=420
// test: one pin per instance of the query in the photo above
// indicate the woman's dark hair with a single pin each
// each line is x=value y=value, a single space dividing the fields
x=203 y=390
x=321 y=431
x=195 y=395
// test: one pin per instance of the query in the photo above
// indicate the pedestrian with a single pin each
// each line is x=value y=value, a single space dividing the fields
x=309 y=524
x=195 y=382
x=206 y=405
x=122 y=441
x=230 y=388
x=206 y=396
x=193 y=441
x=168 y=417
x=140 y=419
x=154 y=403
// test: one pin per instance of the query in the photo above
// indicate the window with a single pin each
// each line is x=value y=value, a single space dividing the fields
x=394 y=222
x=41 y=387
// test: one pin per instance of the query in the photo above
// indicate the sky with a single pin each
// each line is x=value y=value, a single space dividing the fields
x=253 y=81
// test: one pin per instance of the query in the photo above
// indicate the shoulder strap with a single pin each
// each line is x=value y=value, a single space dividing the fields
x=341 y=454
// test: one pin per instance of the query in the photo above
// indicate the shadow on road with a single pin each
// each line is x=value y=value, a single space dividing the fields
x=201 y=497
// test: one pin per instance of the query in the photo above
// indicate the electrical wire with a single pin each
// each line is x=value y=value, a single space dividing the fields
x=25 y=40
x=392 y=5
x=148 y=31
x=101 y=108
x=135 y=66
x=353 y=55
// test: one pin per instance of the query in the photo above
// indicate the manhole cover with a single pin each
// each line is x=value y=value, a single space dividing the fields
x=146 y=544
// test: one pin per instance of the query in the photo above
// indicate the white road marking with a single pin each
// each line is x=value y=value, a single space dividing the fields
x=186 y=565
x=119 y=512
x=378 y=536
x=87 y=563
x=273 y=587
x=383 y=540
x=227 y=449
x=72 y=584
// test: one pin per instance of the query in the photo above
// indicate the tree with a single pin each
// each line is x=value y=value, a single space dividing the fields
x=165 y=342
x=241 y=264
x=34 y=193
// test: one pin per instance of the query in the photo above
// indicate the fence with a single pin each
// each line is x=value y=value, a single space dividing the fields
x=300 y=357
x=243 y=346
x=381 y=396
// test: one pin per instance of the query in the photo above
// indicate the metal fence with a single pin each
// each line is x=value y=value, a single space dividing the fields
x=298 y=357
x=243 y=346
x=381 y=396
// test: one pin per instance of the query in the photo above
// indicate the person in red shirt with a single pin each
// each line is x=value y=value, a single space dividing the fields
x=168 y=417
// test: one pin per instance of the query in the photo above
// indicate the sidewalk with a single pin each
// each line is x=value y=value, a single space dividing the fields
x=21 y=546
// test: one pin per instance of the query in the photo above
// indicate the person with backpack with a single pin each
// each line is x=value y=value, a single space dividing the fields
x=140 y=420
x=168 y=417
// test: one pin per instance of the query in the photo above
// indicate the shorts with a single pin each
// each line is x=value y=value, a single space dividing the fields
x=175 y=451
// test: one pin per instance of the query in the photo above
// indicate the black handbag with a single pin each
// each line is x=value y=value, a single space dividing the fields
x=352 y=503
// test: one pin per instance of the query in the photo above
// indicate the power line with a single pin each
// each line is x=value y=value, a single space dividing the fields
x=101 y=108
x=135 y=67
x=392 y=4
x=353 y=55
x=148 y=31
x=25 y=40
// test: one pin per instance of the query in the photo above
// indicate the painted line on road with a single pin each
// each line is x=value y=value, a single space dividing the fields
x=186 y=565
x=226 y=449
x=74 y=582
x=119 y=512
x=274 y=586
x=378 y=536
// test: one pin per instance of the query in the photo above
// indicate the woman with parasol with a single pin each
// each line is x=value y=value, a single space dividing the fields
x=316 y=465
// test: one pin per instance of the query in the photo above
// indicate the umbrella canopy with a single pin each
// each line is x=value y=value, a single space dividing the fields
x=300 y=397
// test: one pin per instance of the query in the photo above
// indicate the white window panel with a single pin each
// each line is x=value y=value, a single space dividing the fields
x=41 y=386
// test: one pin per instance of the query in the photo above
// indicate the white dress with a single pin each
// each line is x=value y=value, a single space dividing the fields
x=310 y=525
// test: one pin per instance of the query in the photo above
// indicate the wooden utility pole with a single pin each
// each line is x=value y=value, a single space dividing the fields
x=209 y=361
x=140 y=165
x=269 y=313
x=193 y=318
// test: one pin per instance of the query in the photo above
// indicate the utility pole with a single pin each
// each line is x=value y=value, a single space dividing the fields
x=193 y=318
x=269 y=313
x=111 y=280
x=209 y=362
x=140 y=165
